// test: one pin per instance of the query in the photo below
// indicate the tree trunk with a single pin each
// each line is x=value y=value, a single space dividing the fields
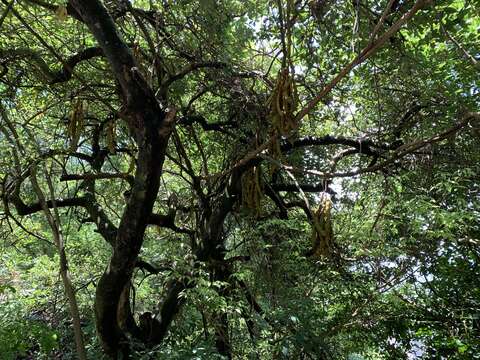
x=129 y=239
x=151 y=128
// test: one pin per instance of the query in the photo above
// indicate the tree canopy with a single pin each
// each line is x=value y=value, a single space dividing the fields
x=227 y=179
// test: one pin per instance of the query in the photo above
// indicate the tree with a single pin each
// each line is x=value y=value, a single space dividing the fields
x=216 y=120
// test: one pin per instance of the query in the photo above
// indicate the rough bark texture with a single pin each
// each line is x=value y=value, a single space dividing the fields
x=151 y=128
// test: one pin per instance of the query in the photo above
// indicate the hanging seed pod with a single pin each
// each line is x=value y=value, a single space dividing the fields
x=252 y=189
x=111 y=136
x=75 y=125
x=322 y=231
x=275 y=152
x=282 y=104
x=61 y=13
x=131 y=165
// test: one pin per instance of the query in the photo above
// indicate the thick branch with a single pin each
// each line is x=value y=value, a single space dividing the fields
x=190 y=119
x=192 y=67
x=135 y=89
x=294 y=188
x=65 y=73
x=168 y=221
x=52 y=76
x=105 y=227
x=52 y=7
x=398 y=154
x=90 y=176
x=362 y=145
x=168 y=310
x=142 y=264
x=24 y=209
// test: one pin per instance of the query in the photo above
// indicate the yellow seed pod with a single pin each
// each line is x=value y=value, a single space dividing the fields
x=322 y=231
x=252 y=189
x=111 y=136
x=61 y=13
x=131 y=165
x=75 y=125
x=282 y=103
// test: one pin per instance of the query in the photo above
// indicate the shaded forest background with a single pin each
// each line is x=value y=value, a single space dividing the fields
x=223 y=179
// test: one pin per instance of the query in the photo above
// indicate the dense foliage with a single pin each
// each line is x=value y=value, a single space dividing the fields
x=240 y=179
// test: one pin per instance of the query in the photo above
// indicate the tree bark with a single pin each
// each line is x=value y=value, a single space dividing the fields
x=151 y=128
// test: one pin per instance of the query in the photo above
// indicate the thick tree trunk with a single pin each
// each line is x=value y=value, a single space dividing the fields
x=222 y=272
x=212 y=251
x=129 y=238
x=151 y=128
